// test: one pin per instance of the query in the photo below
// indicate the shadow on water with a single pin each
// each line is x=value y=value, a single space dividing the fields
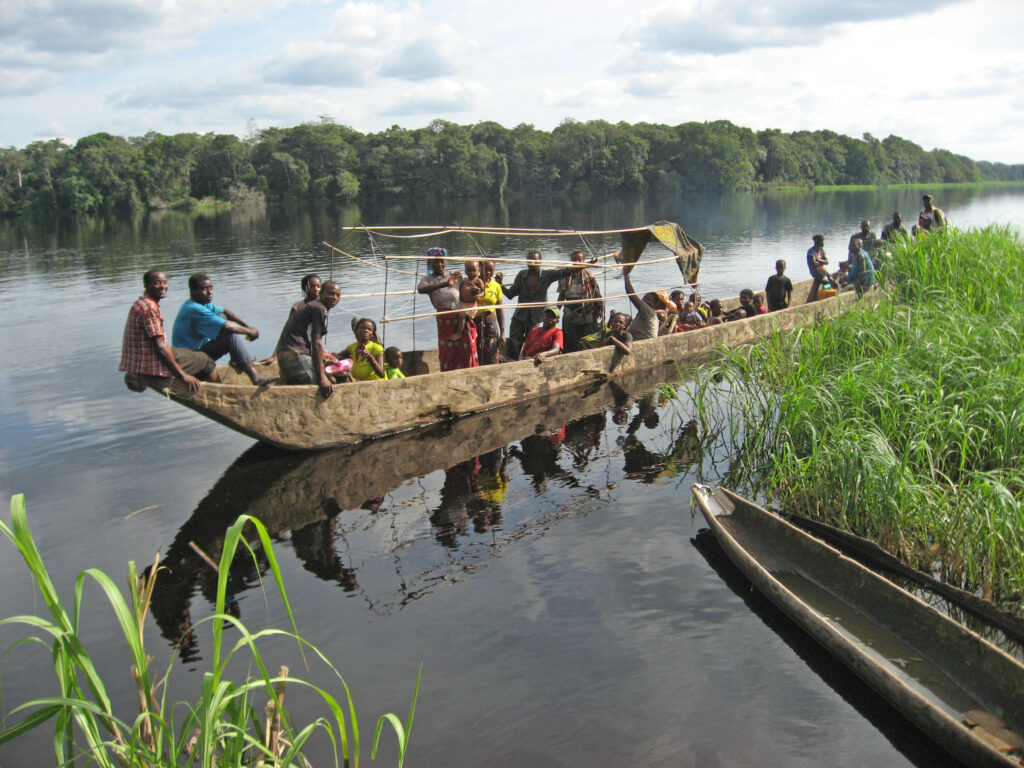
x=332 y=506
x=915 y=746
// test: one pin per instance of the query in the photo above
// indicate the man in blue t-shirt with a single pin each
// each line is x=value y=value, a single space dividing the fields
x=217 y=331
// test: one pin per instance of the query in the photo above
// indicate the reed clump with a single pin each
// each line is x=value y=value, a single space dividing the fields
x=900 y=420
x=224 y=727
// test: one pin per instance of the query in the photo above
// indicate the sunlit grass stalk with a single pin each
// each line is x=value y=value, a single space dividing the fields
x=221 y=728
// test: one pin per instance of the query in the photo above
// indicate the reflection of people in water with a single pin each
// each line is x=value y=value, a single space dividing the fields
x=493 y=484
x=583 y=438
x=538 y=454
x=184 y=573
x=314 y=546
x=451 y=516
x=645 y=465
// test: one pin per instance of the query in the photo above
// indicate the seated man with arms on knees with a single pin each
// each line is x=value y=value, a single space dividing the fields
x=545 y=340
x=203 y=325
x=299 y=351
x=146 y=358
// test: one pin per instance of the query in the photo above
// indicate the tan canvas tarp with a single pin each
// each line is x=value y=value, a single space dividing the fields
x=687 y=250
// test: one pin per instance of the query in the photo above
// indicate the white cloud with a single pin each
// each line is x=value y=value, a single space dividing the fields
x=435 y=98
x=335 y=65
x=597 y=94
x=731 y=26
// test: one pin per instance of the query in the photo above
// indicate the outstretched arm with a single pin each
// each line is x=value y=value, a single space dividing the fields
x=633 y=298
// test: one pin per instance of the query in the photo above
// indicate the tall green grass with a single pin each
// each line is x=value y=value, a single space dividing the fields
x=900 y=420
x=222 y=728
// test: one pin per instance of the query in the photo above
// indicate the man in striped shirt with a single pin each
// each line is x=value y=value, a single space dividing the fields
x=146 y=357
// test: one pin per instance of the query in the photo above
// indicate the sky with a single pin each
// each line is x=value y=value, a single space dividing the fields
x=946 y=73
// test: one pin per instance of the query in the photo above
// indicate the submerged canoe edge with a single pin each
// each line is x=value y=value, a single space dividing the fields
x=297 y=418
x=984 y=671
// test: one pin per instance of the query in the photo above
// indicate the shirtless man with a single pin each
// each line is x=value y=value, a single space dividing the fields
x=931 y=218
x=894 y=228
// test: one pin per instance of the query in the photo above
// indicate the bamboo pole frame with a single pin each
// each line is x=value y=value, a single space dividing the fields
x=522 y=305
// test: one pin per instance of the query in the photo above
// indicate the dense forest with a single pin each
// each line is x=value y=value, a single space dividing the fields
x=105 y=174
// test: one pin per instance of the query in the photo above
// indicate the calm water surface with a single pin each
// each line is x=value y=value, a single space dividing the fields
x=544 y=567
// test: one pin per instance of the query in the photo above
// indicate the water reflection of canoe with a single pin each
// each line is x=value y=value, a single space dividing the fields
x=296 y=417
x=317 y=497
x=963 y=692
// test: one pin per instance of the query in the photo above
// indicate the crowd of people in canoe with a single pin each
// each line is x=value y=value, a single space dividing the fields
x=469 y=315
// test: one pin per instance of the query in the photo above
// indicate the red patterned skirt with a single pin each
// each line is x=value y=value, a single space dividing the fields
x=460 y=353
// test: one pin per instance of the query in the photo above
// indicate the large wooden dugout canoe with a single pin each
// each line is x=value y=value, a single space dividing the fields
x=296 y=417
x=963 y=692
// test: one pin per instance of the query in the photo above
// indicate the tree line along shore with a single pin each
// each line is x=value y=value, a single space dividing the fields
x=327 y=162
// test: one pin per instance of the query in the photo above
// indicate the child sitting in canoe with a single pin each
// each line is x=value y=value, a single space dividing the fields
x=615 y=334
x=393 y=363
x=366 y=352
x=470 y=289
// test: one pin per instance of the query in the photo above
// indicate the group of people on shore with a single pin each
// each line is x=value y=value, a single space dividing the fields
x=866 y=252
x=470 y=316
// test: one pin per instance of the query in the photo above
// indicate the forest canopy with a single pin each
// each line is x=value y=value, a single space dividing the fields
x=325 y=161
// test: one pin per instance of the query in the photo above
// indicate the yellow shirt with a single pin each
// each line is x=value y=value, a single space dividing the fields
x=361 y=369
x=491 y=296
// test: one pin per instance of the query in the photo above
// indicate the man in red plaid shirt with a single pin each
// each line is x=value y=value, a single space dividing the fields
x=146 y=357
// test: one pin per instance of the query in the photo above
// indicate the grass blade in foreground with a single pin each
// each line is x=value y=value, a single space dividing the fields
x=222 y=728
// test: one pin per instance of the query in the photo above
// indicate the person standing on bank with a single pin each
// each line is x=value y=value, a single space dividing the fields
x=894 y=228
x=865 y=235
x=584 y=318
x=931 y=218
x=816 y=261
x=299 y=351
x=217 y=331
x=145 y=353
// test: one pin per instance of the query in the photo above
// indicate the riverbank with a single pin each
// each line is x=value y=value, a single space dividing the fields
x=873 y=187
x=901 y=421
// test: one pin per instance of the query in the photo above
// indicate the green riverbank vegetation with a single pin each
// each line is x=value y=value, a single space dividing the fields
x=224 y=727
x=901 y=420
x=326 y=162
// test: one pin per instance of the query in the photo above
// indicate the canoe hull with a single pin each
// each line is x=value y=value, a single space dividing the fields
x=764 y=546
x=296 y=417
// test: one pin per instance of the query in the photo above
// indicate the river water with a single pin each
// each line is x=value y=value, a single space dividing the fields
x=542 y=564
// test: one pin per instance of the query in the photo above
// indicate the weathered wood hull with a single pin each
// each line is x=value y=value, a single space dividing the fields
x=926 y=665
x=296 y=417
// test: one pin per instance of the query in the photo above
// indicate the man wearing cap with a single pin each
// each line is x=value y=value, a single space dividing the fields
x=146 y=357
x=545 y=340
x=816 y=261
x=931 y=218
